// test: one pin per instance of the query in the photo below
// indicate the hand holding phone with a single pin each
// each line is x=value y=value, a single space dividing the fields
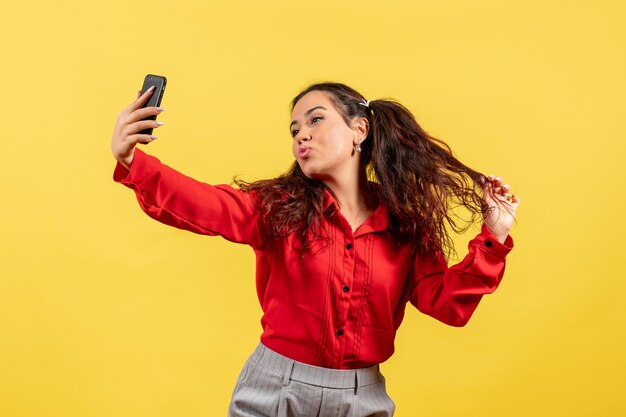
x=140 y=114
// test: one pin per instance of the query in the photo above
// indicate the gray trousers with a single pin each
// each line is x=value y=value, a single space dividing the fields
x=271 y=384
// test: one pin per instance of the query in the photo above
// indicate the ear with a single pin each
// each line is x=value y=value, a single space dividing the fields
x=361 y=127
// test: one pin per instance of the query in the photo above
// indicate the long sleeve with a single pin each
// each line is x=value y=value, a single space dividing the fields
x=180 y=201
x=451 y=294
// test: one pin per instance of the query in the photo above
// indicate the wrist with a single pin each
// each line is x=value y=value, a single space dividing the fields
x=500 y=235
x=127 y=162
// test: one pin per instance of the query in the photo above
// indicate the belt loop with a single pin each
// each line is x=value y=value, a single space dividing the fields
x=288 y=372
x=356 y=382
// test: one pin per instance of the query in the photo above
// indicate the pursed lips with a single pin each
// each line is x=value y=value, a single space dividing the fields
x=303 y=151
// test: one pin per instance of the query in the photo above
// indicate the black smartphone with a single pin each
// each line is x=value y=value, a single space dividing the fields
x=158 y=82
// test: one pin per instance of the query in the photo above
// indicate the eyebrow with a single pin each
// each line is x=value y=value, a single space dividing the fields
x=306 y=113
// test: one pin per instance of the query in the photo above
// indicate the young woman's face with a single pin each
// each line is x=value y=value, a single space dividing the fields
x=322 y=142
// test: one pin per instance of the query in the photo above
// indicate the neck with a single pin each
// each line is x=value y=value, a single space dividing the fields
x=351 y=193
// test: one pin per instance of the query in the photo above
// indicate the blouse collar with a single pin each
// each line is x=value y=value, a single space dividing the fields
x=377 y=222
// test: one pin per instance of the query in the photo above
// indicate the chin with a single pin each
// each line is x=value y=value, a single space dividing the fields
x=309 y=174
x=312 y=173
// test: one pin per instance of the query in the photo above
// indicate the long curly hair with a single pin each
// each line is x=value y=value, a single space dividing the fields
x=420 y=181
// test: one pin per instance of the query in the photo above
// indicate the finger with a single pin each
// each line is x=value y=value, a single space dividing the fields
x=143 y=124
x=487 y=188
x=498 y=185
x=504 y=189
x=139 y=101
x=490 y=189
x=490 y=196
x=143 y=97
x=143 y=113
x=499 y=194
x=497 y=189
x=142 y=138
x=512 y=199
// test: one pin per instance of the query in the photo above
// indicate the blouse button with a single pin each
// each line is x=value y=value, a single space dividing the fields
x=488 y=243
x=346 y=288
x=339 y=332
x=349 y=246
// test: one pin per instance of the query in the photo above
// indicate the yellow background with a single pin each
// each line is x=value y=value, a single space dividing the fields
x=105 y=312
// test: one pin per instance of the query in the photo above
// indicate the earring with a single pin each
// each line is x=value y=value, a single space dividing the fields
x=357 y=147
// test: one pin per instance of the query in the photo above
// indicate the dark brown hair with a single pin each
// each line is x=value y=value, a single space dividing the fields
x=418 y=175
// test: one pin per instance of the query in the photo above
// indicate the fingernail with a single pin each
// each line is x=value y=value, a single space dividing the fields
x=150 y=89
x=153 y=137
x=159 y=123
x=160 y=109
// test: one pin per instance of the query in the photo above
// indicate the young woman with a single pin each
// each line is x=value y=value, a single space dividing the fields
x=344 y=240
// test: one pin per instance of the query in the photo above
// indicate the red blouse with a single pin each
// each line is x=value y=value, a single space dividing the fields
x=339 y=306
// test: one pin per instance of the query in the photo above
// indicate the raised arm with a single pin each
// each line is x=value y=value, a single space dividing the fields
x=177 y=200
x=451 y=294
x=171 y=197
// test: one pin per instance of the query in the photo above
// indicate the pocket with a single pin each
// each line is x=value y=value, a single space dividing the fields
x=245 y=371
x=383 y=385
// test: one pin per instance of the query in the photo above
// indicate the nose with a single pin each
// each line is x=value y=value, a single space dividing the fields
x=303 y=136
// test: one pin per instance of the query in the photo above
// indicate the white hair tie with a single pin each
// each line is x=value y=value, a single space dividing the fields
x=365 y=103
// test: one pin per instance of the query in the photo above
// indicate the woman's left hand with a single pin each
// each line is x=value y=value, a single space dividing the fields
x=501 y=217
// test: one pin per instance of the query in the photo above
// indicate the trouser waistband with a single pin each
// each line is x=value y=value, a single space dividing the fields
x=315 y=375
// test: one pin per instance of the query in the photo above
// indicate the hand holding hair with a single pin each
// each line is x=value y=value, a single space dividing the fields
x=503 y=207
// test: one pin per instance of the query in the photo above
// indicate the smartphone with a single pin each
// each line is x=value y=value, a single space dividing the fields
x=158 y=82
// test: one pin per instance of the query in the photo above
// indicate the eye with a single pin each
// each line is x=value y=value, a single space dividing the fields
x=313 y=120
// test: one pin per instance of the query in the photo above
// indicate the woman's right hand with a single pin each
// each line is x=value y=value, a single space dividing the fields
x=129 y=122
